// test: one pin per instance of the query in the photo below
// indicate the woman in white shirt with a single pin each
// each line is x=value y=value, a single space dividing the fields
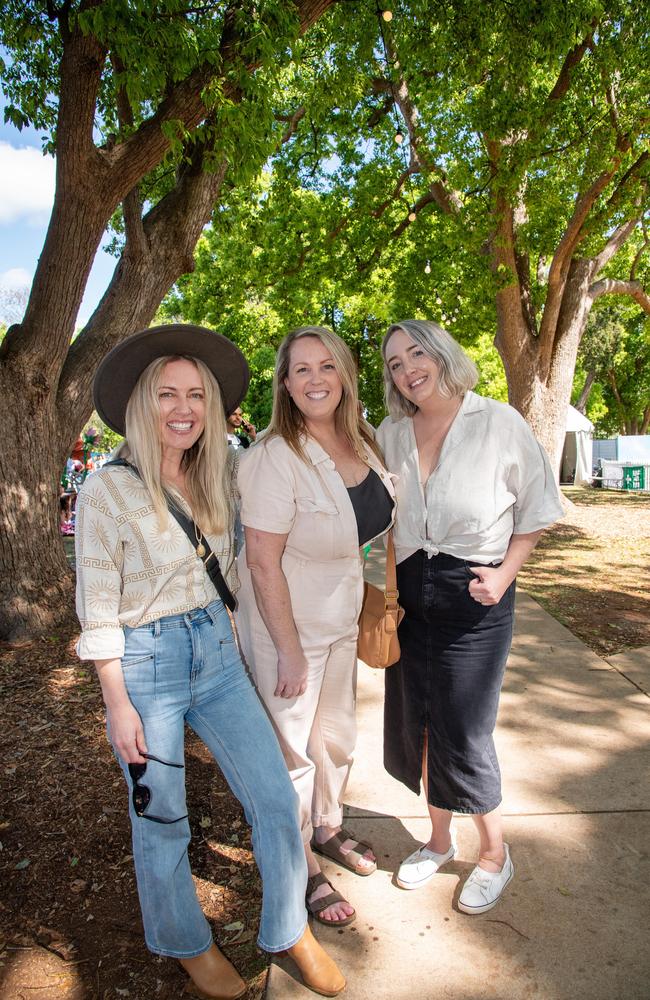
x=474 y=492
x=312 y=492
x=153 y=608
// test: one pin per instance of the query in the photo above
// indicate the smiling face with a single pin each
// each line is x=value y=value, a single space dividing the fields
x=313 y=381
x=181 y=398
x=414 y=373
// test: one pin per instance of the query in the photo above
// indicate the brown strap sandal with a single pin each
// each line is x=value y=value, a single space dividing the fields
x=353 y=859
x=318 y=905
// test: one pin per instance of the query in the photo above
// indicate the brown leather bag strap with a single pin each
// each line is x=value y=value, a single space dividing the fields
x=391 y=592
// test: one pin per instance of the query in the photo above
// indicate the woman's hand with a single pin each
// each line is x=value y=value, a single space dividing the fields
x=264 y=550
x=490 y=584
x=292 y=677
x=124 y=722
x=127 y=733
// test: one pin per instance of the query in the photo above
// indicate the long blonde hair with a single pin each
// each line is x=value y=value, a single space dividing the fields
x=286 y=419
x=205 y=463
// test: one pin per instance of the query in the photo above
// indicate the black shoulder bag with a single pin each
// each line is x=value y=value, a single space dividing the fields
x=199 y=543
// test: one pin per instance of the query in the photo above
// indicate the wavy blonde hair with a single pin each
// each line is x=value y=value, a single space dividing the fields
x=457 y=372
x=286 y=419
x=205 y=463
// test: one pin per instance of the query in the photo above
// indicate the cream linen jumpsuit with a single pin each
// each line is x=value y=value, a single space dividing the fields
x=322 y=563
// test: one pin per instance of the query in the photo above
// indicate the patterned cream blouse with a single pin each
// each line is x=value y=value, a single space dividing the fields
x=129 y=572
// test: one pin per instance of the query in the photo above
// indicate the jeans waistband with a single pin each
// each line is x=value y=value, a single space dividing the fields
x=443 y=559
x=197 y=616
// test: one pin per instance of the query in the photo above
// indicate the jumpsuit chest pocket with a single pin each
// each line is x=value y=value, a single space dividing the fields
x=307 y=505
x=317 y=528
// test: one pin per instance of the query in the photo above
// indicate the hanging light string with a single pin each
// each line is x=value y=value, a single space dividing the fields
x=386 y=15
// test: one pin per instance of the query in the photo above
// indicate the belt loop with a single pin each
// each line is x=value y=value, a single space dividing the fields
x=156 y=627
x=213 y=610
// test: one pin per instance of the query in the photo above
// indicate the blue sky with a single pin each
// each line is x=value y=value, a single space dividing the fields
x=26 y=193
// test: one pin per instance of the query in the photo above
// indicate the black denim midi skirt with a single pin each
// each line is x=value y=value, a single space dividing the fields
x=447 y=685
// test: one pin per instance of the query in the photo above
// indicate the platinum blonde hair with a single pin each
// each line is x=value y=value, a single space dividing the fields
x=286 y=419
x=457 y=372
x=205 y=463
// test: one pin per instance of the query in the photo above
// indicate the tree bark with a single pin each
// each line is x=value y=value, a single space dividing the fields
x=540 y=380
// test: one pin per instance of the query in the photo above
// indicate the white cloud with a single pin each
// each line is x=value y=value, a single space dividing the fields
x=15 y=277
x=26 y=185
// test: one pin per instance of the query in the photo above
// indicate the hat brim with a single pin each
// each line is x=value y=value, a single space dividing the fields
x=120 y=370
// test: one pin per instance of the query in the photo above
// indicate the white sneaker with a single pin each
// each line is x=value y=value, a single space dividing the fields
x=422 y=865
x=483 y=889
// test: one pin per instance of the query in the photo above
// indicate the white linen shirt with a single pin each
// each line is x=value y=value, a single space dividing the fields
x=129 y=572
x=493 y=480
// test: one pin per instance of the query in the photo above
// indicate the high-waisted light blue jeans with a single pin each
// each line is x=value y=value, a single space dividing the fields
x=186 y=668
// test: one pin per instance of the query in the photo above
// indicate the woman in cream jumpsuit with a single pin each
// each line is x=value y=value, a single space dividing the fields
x=313 y=490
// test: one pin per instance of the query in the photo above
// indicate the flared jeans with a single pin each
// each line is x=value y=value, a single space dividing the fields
x=187 y=668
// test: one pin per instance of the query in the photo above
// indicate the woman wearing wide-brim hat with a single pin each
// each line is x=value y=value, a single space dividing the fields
x=154 y=619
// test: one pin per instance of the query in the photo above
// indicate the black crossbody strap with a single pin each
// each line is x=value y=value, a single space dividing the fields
x=209 y=560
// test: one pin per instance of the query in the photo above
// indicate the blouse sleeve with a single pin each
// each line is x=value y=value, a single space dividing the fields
x=531 y=480
x=99 y=574
x=267 y=488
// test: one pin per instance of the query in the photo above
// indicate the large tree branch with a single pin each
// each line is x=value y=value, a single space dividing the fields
x=132 y=202
x=571 y=237
x=572 y=59
x=514 y=330
x=145 y=273
x=612 y=286
x=620 y=235
x=141 y=151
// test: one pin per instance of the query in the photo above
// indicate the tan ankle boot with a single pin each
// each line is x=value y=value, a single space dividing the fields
x=213 y=977
x=319 y=972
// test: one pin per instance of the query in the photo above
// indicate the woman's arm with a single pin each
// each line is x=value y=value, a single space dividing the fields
x=264 y=559
x=492 y=582
x=127 y=733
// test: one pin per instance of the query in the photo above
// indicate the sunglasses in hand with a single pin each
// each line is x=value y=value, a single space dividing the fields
x=142 y=795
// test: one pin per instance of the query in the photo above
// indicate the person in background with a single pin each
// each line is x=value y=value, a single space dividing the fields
x=474 y=491
x=312 y=492
x=156 y=623
x=241 y=433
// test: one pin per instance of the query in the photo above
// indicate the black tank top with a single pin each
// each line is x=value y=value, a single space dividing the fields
x=373 y=507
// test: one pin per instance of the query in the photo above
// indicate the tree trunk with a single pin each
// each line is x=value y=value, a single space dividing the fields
x=36 y=584
x=540 y=381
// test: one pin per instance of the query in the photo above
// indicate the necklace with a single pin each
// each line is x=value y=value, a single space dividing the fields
x=200 y=547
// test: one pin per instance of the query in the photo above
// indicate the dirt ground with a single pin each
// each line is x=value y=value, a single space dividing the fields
x=69 y=918
x=591 y=570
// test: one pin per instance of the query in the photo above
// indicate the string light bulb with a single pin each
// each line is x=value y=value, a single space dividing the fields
x=412 y=215
x=427 y=267
x=387 y=15
x=399 y=138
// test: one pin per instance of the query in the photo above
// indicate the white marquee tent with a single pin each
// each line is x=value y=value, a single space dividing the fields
x=577 y=455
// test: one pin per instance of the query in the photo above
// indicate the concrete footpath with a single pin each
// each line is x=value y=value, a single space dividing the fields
x=573 y=741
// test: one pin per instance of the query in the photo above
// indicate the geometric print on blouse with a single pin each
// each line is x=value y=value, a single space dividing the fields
x=129 y=570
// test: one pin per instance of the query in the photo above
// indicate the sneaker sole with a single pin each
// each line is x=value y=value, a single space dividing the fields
x=415 y=885
x=424 y=881
x=487 y=906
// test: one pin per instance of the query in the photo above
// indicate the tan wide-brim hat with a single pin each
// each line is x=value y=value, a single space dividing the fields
x=120 y=370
